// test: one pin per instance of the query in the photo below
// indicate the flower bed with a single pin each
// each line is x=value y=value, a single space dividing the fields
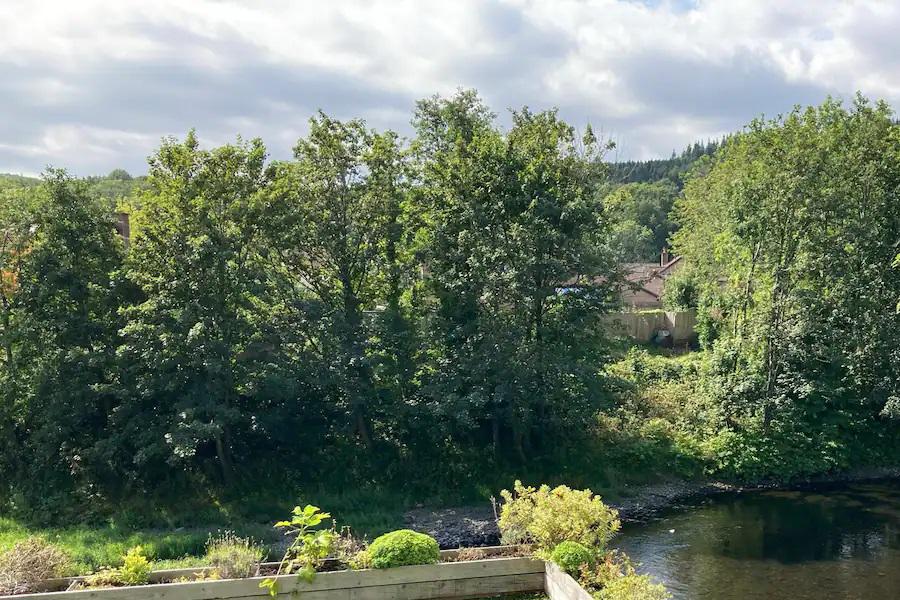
x=457 y=579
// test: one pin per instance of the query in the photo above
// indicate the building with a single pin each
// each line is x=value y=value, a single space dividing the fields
x=647 y=281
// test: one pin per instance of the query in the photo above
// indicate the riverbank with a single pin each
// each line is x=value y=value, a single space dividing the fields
x=476 y=525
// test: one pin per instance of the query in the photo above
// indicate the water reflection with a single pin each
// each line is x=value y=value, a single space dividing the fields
x=841 y=543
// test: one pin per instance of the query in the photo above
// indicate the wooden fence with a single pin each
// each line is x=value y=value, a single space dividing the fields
x=643 y=326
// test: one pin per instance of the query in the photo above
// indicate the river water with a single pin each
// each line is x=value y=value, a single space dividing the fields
x=837 y=543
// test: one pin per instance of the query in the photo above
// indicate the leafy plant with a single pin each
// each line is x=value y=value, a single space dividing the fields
x=233 y=557
x=308 y=549
x=135 y=570
x=31 y=560
x=612 y=565
x=403 y=547
x=633 y=587
x=572 y=556
x=547 y=517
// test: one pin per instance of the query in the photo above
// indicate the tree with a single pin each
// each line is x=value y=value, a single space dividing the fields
x=791 y=227
x=640 y=212
x=332 y=215
x=190 y=354
x=63 y=302
x=510 y=223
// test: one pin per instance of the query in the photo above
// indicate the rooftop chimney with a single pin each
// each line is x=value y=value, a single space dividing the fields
x=664 y=257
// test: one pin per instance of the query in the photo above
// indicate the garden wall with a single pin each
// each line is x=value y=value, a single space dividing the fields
x=643 y=325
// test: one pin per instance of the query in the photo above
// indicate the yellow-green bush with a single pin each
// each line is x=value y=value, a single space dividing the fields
x=633 y=587
x=546 y=517
x=135 y=570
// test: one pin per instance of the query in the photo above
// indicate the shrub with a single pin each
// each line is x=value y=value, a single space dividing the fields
x=403 y=547
x=31 y=560
x=233 y=557
x=135 y=570
x=572 y=556
x=612 y=565
x=633 y=587
x=547 y=517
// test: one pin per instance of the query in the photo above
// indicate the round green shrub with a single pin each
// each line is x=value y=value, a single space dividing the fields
x=403 y=547
x=571 y=555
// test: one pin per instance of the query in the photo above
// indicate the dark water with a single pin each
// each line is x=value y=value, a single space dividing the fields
x=837 y=543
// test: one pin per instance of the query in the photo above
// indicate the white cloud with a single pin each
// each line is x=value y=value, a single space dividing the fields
x=93 y=85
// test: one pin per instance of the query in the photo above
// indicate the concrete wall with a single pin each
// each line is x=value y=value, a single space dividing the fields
x=642 y=326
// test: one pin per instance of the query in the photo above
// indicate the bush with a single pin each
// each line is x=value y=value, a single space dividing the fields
x=547 y=517
x=403 y=547
x=633 y=587
x=233 y=557
x=29 y=561
x=610 y=566
x=572 y=556
x=135 y=570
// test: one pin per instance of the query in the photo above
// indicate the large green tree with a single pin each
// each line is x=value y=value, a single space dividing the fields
x=512 y=227
x=191 y=352
x=60 y=304
x=333 y=227
x=791 y=228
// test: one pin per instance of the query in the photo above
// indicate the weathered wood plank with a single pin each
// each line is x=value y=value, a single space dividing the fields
x=478 y=587
x=559 y=585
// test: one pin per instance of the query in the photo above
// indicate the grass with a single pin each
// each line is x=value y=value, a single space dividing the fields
x=171 y=545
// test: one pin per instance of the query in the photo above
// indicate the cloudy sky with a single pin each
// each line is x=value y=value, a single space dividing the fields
x=92 y=85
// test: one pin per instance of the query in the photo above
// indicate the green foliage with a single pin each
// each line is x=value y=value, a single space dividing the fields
x=642 y=226
x=682 y=291
x=135 y=569
x=789 y=229
x=572 y=556
x=29 y=561
x=233 y=557
x=402 y=547
x=610 y=566
x=547 y=517
x=375 y=303
x=62 y=322
x=633 y=587
x=309 y=546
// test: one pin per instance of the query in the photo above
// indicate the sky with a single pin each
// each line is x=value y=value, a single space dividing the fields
x=92 y=86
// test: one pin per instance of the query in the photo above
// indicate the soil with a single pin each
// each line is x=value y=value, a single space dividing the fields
x=472 y=526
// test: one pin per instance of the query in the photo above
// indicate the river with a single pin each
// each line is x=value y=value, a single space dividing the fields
x=838 y=543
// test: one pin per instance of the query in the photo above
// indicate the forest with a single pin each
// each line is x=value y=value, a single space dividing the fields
x=425 y=315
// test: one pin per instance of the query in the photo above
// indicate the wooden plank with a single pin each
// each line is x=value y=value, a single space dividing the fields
x=559 y=585
x=478 y=587
x=237 y=588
